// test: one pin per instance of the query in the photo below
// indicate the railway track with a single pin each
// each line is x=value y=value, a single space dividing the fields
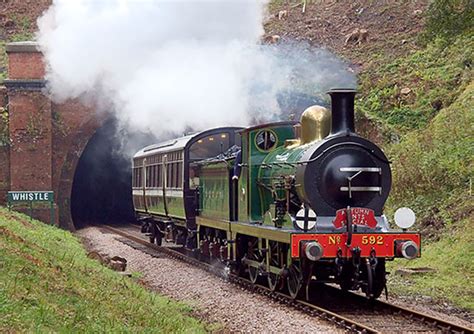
x=346 y=310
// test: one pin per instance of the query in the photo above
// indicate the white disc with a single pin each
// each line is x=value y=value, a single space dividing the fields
x=306 y=214
x=405 y=217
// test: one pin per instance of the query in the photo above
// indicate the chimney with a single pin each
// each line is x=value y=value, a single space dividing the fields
x=342 y=106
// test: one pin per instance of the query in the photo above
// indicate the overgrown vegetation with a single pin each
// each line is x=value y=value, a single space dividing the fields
x=4 y=121
x=407 y=93
x=47 y=284
x=23 y=32
x=449 y=18
x=424 y=103
x=433 y=174
x=433 y=168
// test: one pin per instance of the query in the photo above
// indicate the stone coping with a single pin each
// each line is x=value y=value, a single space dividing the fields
x=25 y=46
x=24 y=84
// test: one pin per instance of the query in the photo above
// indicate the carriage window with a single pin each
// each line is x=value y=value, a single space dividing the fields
x=176 y=175
x=169 y=174
x=180 y=174
x=173 y=168
x=137 y=179
x=209 y=146
x=153 y=176
x=148 y=176
x=134 y=178
x=160 y=176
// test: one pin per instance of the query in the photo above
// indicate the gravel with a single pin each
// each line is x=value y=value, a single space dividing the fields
x=213 y=299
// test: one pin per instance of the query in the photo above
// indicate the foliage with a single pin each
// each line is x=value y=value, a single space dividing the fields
x=3 y=61
x=433 y=168
x=4 y=134
x=449 y=18
x=433 y=171
x=48 y=284
x=434 y=77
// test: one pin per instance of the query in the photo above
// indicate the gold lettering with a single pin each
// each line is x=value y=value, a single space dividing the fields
x=332 y=240
x=379 y=240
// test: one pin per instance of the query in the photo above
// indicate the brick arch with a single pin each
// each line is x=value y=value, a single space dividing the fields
x=78 y=140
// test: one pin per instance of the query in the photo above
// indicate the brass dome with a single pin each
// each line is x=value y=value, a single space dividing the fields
x=315 y=124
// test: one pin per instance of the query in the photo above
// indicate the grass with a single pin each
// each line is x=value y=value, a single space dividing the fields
x=48 y=284
x=452 y=258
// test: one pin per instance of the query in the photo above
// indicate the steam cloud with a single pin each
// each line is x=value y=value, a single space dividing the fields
x=169 y=66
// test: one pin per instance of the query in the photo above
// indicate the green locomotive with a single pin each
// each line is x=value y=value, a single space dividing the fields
x=288 y=203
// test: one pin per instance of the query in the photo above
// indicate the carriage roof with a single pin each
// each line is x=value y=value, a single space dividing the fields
x=171 y=145
x=178 y=144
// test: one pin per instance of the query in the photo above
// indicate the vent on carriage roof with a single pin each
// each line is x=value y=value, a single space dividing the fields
x=155 y=147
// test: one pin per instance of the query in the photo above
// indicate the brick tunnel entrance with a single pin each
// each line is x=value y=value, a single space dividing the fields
x=101 y=189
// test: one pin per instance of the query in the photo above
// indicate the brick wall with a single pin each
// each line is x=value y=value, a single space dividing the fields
x=47 y=139
x=31 y=141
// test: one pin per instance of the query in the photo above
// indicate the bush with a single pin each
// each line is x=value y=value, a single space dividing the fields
x=433 y=167
x=448 y=18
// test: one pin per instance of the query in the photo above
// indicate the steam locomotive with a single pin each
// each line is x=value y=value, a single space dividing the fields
x=287 y=203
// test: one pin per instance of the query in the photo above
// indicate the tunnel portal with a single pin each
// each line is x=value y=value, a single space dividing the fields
x=101 y=190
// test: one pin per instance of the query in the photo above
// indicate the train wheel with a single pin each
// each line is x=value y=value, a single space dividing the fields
x=375 y=280
x=273 y=281
x=253 y=274
x=159 y=239
x=253 y=254
x=294 y=281
x=274 y=254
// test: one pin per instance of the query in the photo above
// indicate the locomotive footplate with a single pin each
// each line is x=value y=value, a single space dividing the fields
x=383 y=244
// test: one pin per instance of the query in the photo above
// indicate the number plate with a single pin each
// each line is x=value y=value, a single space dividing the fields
x=360 y=216
x=372 y=240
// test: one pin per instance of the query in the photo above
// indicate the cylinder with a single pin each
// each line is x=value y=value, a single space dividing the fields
x=342 y=110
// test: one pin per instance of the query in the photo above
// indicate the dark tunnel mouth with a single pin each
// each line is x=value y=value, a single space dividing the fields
x=101 y=189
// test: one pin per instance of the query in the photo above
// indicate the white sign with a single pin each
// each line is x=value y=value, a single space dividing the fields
x=306 y=219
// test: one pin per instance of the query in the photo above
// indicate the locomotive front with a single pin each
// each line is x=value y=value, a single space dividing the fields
x=337 y=185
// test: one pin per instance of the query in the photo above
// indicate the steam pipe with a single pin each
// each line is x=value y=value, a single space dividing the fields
x=342 y=105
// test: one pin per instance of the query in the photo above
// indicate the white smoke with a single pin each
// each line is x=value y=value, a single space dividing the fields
x=167 y=66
